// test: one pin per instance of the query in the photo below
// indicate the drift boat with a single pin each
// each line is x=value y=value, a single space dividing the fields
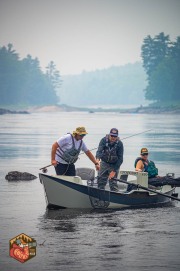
x=81 y=191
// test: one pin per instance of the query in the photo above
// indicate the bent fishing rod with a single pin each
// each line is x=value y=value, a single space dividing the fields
x=44 y=169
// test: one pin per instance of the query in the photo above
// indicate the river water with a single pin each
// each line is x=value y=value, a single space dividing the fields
x=80 y=240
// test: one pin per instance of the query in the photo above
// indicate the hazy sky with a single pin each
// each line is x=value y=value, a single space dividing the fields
x=85 y=34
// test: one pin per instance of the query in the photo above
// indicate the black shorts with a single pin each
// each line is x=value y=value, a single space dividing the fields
x=65 y=169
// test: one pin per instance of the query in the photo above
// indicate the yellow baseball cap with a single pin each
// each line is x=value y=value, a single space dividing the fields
x=144 y=151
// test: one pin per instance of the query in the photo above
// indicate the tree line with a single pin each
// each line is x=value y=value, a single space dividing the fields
x=161 y=61
x=22 y=82
x=116 y=85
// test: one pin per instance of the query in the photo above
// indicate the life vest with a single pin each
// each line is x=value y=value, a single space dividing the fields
x=71 y=155
x=150 y=167
x=109 y=153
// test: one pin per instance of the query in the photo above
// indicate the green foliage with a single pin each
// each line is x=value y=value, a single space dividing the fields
x=23 y=82
x=161 y=60
x=53 y=75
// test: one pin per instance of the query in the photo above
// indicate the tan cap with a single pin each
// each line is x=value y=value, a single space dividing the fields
x=80 y=131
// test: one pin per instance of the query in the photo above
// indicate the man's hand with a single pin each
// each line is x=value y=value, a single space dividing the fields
x=112 y=174
x=97 y=165
x=54 y=162
x=138 y=169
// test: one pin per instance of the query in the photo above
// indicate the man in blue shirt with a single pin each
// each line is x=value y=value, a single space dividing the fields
x=110 y=155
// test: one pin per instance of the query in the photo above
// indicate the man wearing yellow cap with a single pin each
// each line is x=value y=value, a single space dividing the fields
x=143 y=164
x=65 y=152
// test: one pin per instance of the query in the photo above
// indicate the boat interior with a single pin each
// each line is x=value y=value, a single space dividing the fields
x=87 y=176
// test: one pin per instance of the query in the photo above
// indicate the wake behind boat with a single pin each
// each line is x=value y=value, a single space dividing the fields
x=81 y=191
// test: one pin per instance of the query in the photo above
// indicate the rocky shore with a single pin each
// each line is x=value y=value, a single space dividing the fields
x=7 y=111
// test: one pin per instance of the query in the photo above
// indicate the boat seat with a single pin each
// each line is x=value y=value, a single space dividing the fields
x=86 y=173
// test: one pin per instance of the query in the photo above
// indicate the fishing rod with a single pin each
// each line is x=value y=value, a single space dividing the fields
x=44 y=169
x=125 y=138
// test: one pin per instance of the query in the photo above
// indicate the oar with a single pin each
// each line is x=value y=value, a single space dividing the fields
x=147 y=189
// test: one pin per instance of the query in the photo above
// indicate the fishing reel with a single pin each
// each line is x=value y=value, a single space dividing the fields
x=44 y=170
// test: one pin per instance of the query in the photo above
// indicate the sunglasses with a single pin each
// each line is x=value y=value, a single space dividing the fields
x=82 y=135
x=144 y=154
x=113 y=136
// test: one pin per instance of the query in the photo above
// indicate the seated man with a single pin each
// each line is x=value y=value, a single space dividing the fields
x=143 y=164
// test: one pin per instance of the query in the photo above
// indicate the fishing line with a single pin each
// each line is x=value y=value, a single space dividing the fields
x=124 y=138
x=44 y=169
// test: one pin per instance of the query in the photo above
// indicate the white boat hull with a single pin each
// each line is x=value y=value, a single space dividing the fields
x=72 y=192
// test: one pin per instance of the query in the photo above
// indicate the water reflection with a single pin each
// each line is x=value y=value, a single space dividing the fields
x=62 y=214
x=63 y=220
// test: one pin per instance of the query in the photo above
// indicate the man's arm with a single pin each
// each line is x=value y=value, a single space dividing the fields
x=139 y=166
x=53 y=153
x=100 y=149
x=120 y=153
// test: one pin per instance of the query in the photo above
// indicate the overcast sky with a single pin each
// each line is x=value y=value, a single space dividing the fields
x=85 y=34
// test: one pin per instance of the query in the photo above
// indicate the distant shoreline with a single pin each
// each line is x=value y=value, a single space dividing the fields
x=65 y=108
x=7 y=111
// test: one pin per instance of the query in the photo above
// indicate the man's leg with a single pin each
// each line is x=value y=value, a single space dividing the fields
x=102 y=175
x=113 y=183
x=71 y=171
